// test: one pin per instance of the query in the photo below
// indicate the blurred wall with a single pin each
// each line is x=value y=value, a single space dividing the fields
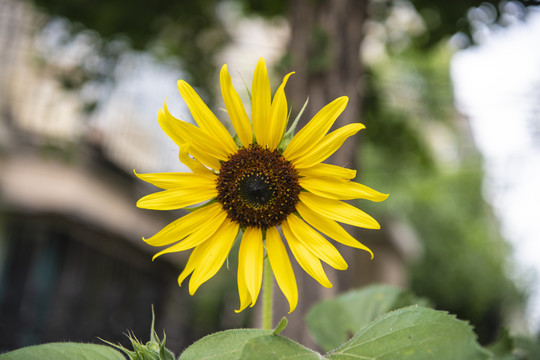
x=72 y=265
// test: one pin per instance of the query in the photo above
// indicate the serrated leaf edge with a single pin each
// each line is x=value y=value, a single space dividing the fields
x=366 y=327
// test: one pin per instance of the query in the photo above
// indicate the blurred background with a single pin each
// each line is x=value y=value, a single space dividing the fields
x=449 y=92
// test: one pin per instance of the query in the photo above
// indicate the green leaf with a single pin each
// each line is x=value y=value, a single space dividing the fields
x=413 y=333
x=247 y=344
x=225 y=345
x=275 y=347
x=333 y=321
x=64 y=351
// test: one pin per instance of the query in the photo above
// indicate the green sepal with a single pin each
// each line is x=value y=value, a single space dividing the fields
x=192 y=209
x=154 y=349
x=237 y=141
x=289 y=134
x=282 y=325
x=247 y=88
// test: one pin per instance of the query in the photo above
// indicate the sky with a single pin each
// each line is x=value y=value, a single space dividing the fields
x=497 y=86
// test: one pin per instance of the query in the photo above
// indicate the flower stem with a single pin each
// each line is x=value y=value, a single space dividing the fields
x=267 y=288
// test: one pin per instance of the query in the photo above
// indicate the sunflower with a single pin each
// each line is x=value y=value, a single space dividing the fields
x=260 y=182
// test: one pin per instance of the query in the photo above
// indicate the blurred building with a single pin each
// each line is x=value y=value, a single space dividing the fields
x=72 y=265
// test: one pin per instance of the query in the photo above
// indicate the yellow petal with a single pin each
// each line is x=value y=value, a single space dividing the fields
x=315 y=129
x=340 y=189
x=205 y=118
x=281 y=265
x=176 y=198
x=195 y=166
x=250 y=259
x=330 y=170
x=174 y=129
x=329 y=227
x=243 y=293
x=315 y=243
x=217 y=249
x=197 y=237
x=179 y=180
x=235 y=108
x=168 y=125
x=202 y=141
x=327 y=146
x=261 y=102
x=278 y=119
x=338 y=210
x=194 y=260
x=180 y=228
x=309 y=262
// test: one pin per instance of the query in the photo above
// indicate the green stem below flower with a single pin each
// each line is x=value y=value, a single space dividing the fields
x=267 y=289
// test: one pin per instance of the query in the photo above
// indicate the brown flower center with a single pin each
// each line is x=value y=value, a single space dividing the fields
x=258 y=187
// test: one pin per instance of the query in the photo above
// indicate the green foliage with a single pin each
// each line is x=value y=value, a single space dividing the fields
x=442 y=19
x=275 y=347
x=459 y=235
x=223 y=345
x=332 y=321
x=392 y=132
x=408 y=333
x=515 y=348
x=404 y=95
x=319 y=51
x=413 y=333
x=526 y=347
x=441 y=198
x=187 y=32
x=268 y=8
x=502 y=349
x=461 y=247
x=191 y=33
x=64 y=351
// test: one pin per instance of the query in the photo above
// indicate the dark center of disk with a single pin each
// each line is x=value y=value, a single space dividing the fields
x=256 y=190
x=258 y=187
